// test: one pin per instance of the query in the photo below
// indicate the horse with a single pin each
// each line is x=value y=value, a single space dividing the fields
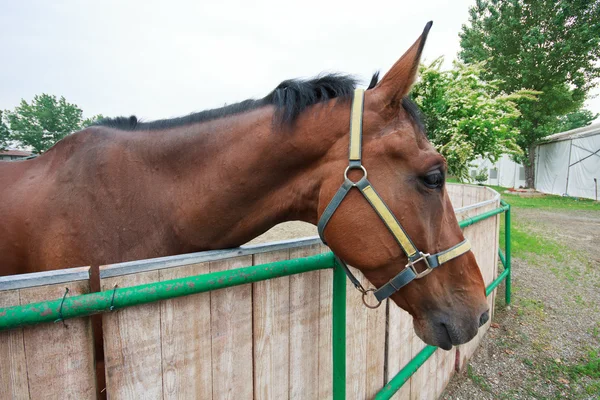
x=124 y=190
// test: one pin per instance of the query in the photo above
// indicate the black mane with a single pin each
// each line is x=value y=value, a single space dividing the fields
x=290 y=98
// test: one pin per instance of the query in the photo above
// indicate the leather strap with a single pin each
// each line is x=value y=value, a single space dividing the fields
x=409 y=273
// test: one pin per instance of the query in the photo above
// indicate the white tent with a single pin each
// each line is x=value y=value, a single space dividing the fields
x=568 y=163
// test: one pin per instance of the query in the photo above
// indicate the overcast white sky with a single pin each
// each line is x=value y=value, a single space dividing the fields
x=159 y=59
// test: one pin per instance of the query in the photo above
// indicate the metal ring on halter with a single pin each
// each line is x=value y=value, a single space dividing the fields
x=349 y=167
x=364 y=295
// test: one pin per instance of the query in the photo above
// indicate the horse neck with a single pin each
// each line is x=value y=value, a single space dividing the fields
x=234 y=178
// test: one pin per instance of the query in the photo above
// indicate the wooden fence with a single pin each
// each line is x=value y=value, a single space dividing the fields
x=266 y=340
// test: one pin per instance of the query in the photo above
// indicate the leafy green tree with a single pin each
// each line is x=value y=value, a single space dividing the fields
x=575 y=120
x=44 y=121
x=4 y=134
x=552 y=46
x=467 y=116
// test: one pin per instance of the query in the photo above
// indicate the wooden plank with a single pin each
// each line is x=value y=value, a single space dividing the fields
x=482 y=236
x=400 y=333
x=132 y=344
x=445 y=369
x=456 y=194
x=419 y=380
x=13 y=367
x=186 y=340
x=375 y=365
x=304 y=329
x=430 y=373
x=271 y=304
x=325 y=332
x=470 y=195
x=60 y=357
x=356 y=339
x=231 y=330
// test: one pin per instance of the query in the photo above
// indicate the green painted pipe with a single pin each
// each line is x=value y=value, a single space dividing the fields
x=508 y=251
x=471 y=220
x=502 y=258
x=497 y=281
x=405 y=373
x=93 y=303
x=339 y=333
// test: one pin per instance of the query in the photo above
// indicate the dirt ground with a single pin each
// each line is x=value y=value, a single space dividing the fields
x=539 y=347
x=545 y=345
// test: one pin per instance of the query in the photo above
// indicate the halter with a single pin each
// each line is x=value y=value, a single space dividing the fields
x=409 y=273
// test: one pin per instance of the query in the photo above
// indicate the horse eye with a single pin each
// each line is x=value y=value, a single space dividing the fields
x=434 y=179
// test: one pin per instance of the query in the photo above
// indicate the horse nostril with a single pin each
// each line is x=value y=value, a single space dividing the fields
x=484 y=318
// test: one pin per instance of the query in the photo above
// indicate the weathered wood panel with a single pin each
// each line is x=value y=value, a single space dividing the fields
x=400 y=336
x=482 y=236
x=305 y=302
x=132 y=344
x=271 y=303
x=52 y=360
x=186 y=340
x=231 y=330
x=13 y=367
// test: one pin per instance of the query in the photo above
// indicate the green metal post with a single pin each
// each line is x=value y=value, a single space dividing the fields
x=339 y=332
x=93 y=303
x=507 y=257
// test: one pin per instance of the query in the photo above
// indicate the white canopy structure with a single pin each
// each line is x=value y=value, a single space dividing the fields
x=567 y=163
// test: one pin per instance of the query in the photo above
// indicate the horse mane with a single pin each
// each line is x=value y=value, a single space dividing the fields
x=290 y=98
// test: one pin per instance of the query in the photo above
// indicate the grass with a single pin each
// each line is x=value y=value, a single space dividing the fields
x=583 y=376
x=478 y=380
x=547 y=201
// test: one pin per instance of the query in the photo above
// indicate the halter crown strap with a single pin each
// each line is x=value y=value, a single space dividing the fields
x=409 y=273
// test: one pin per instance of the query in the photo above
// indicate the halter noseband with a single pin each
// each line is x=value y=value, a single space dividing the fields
x=409 y=273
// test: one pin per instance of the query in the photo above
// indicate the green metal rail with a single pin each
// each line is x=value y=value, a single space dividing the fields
x=106 y=301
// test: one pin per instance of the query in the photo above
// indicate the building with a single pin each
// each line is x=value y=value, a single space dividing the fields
x=567 y=164
x=14 y=154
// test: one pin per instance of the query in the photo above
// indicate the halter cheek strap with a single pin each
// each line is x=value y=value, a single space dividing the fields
x=409 y=273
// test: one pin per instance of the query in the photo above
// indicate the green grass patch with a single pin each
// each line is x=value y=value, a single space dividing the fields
x=478 y=380
x=547 y=201
x=580 y=379
x=589 y=366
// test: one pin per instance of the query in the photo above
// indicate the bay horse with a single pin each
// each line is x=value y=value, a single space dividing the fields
x=125 y=190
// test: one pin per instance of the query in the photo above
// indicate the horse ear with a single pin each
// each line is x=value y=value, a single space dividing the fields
x=397 y=82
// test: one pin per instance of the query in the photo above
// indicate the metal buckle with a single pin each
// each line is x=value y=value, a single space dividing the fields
x=423 y=257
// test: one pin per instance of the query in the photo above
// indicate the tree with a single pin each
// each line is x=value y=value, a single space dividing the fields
x=4 y=134
x=552 y=46
x=467 y=116
x=574 y=120
x=44 y=122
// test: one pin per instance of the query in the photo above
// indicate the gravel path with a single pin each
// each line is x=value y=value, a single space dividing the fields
x=553 y=322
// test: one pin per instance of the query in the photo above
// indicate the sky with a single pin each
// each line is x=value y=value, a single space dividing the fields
x=160 y=59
